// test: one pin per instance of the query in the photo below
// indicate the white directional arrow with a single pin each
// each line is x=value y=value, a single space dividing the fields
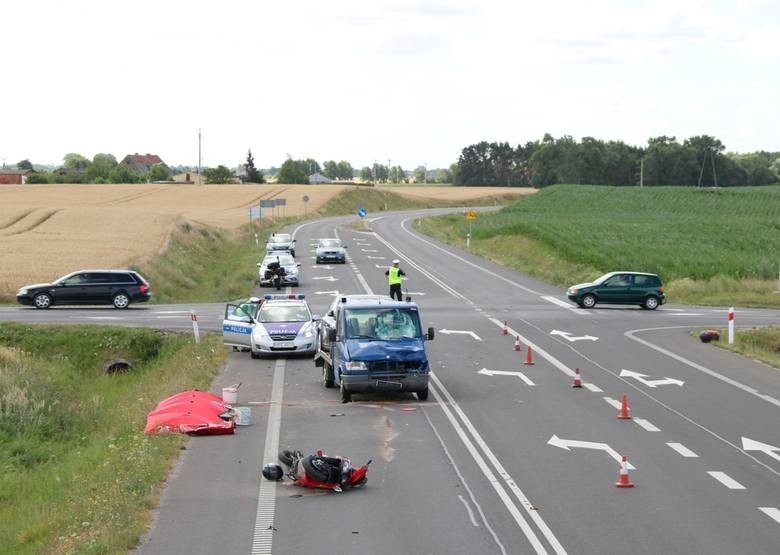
x=331 y=293
x=567 y=443
x=416 y=293
x=375 y=257
x=321 y=267
x=650 y=383
x=572 y=338
x=326 y=278
x=447 y=332
x=520 y=375
x=369 y=250
x=753 y=445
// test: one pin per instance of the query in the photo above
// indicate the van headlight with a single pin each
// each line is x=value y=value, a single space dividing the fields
x=356 y=365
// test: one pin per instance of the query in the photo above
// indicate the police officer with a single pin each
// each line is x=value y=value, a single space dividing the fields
x=394 y=279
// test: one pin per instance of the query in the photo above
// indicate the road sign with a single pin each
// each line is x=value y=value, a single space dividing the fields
x=362 y=212
x=471 y=215
x=255 y=213
x=305 y=198
x=268 y=203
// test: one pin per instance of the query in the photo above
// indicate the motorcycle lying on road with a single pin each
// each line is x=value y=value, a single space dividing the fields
x=318 y=471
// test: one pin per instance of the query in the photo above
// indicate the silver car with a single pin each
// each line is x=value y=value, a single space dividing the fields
x=284 y=325
x=286 y=261
x=331 y=250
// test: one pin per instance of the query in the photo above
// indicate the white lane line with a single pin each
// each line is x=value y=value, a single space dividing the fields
x=469 y=511
x=171 y=312
x=592 y=387
x=504 y=479
x=563 y=304
x=101 y=317
x=173 y=318
x=263 y=538
x=614 y=402
x=725 y=479
x=683 y=450
x=771 y=512
x=536 y=349
x=646 y=425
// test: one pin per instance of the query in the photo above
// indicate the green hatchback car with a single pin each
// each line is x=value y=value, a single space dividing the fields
x=640 y=288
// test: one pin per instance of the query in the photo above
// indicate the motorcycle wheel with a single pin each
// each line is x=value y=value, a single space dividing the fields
x=286 y=457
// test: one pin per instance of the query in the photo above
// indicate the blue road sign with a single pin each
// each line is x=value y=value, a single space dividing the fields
x=362 y=212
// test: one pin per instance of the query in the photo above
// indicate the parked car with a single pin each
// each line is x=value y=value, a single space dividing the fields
x=288 y=264
x=331 y=316
x=280 y=242
x=640 y=288
x=331 y=250
x=116 y=287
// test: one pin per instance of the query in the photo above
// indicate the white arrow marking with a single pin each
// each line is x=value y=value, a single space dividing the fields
x=321 y=267
x=520 y=375
x=567 y=443
x=326 y=278
x=650 y=383
x=375 y=257
x=416 y=293
x=447 y=332
x=331 y=293
x=566 y=335
x=753 y=445
x=369 y=250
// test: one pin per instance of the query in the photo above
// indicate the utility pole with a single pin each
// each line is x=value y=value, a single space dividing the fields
x=425 y=172
x=641 y=172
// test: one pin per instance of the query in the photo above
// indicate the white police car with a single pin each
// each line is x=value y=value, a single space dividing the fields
x=282 y=324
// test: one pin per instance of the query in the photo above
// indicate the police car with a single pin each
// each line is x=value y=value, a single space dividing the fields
x=237 y=324
x=282 y=324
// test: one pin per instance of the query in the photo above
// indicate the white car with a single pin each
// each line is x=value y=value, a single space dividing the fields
x=238 y=322
x=286 y=261
x=331 y=250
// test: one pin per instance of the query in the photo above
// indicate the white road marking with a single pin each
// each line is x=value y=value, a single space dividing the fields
x=572 y=338
x=686 y=314
x=101 y=317
x=369 y=250
x=683 y=450
x=469 y=511
x=725 y=479
x=171 y=312
x=567 y=443
x=520 y=375
x=646 y=425
x=592 y=387
x=263 y=538
x=564 y=304
x=615 y=403
x=771 y=512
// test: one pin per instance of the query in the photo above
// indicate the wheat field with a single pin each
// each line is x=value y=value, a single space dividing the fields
x=49 y=230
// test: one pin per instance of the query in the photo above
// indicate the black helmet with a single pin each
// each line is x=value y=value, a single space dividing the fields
x=273 y=471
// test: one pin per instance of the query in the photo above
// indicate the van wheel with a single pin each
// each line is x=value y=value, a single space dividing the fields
x=422 y=395
x=346 y=396
x=589 y=301
x=327 y=374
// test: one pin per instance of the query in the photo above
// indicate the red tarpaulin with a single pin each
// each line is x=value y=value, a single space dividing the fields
x=191 y=412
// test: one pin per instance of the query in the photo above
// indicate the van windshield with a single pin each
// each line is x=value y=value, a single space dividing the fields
x=382 y=323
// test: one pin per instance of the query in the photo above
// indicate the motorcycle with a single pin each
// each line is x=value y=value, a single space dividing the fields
x=323 y=472
x=275 y=272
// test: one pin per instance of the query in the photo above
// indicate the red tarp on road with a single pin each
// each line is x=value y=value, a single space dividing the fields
x=191 y=412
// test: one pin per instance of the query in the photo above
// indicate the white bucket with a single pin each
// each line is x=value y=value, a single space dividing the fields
x=230 y=395
x=244 y=415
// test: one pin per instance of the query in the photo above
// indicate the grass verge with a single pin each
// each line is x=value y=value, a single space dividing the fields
x=762 y=344
x=77 y=472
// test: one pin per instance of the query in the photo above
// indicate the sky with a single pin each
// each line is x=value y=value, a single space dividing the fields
x=408 y=83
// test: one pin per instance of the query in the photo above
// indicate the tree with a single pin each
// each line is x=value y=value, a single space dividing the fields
x=158 y=172
x=292 y=171
x=366 y=175
x=124 y=174
x=218 y=175
x=331 y=169
x=345 y=171
x=24 y=165
x=100 y=168
x=253 y=175
x=73 y=161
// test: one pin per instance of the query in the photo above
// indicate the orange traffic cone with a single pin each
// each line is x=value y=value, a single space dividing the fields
x=577 y=382
x=529 y=358
x=623 y=480
x=517 y=343
x=505 y=331
x=623 y=414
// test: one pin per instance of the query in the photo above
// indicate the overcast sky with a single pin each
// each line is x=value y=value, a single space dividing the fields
x=412 y=82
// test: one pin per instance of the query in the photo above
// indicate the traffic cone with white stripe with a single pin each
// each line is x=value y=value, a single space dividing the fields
x=577 y=382
x=517 y=343
x=623 y=414
x=529 y=358
x=505 y=331
x=623 y=479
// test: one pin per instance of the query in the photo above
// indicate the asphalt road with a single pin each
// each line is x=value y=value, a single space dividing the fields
x=504 y=457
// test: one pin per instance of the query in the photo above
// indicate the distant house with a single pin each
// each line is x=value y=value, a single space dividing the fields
x=13 y=177
x=142 y=163
x=318 y=178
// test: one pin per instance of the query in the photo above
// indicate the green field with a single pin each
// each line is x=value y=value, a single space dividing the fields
x=710 y=246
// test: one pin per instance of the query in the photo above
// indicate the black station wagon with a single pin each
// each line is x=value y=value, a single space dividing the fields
x=116 y=287
x=640 y=288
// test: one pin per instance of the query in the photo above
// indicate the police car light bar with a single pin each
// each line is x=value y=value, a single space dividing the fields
x=298 y=297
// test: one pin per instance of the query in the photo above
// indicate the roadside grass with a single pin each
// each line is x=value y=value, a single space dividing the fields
x=711 y=247
x=77 y=472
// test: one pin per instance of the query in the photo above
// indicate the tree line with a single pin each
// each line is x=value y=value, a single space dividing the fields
x=699 y=160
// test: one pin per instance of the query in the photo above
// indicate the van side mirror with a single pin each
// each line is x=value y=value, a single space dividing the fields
x=430 y=334
x=331 y=335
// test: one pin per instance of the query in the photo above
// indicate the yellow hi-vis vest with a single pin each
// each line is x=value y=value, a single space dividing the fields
x=393 y=277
